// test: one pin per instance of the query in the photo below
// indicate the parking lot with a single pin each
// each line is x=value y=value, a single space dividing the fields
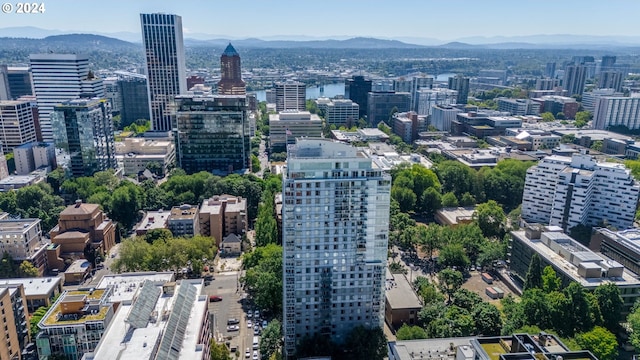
x=478 y=286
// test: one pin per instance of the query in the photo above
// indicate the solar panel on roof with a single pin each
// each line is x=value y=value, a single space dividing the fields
x=143 y=306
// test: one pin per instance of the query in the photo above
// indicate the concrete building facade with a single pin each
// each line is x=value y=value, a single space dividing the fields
x=617 y=111
x=291 y=95
x=17 y=124
x=342 y=112
x=567 y=191
x=286 y=126
x=335 y=233
x=184 y=221
x=222 y=215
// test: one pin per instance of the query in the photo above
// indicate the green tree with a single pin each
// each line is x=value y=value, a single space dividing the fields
x=263 y=276
x=158 y=234
x=634 y=324
x=560 y=116
x=255 y=164
x=600 y=341
x=568 y=139
x=431 y=201
x=610 y=303
x=597 y=145
x=125 y=204
x=488 y=320
x=55 y=179
x=35 y=318
x=266 y=225
x=582 y=118
x=491 y=251
x=449 y=200
x=405 y=197
x=429 y=238
x=271 y=339
x=219 y=351
x=450 y=281
x=430 y=312
x=28 y=270
x=407 y=332
x=8 y=268
x=547 y=117
x=453 y=255
x=457 y=178
x=580 y=319
x=535 y=308
x=466 y=299
x=550 y=281
x=533 y=278
x=490 y=218
x=467 y=200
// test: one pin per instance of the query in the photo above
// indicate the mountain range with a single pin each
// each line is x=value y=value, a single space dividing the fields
x=564 y=41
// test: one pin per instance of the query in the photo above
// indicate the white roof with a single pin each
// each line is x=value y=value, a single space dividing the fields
x=34 y=286
x=126 y=285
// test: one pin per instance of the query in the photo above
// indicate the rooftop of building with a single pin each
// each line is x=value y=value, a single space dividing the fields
x=156 y=321
x=454 y=215
x=78 y=266
x=81 y=103
x=321 y=148
x=80 y=208
x=154 y=220
x=399 y=293
x=629 y=238
x=125 y=286
x=567 y=255
x=594 y=134
x=42 y=286
x=56 y=315
x=183 y=212
x=16 y=225
x=18 y=180
x=230 y=51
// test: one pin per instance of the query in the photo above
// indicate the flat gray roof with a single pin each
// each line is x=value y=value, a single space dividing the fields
x=40 y=286
x=399 y=293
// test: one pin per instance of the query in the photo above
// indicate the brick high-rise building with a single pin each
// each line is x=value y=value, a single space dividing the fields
x=231 y=73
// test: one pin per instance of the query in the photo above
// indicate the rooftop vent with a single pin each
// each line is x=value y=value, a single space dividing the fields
x=78 y=202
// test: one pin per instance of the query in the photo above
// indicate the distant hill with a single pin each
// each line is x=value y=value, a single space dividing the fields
x=353 y=43
x=88 y=39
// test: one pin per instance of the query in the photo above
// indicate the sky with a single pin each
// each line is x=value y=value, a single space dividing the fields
x=438 y=19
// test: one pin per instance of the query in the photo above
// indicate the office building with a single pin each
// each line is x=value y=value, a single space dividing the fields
x=222 y=215
x=286 y=126
x=23 y=240
x=591 y=98
x=75 y=323
x=540 y=346
x=153 y=220
x=402 y=304
x=550 y=70
x=14 y=324
x=572 y=262
x=231 y=73
x=137 y=154
x=156 y=318
x=555 y=104
x=58 y=78
x=460 y=84
x=488 y=76
x=270 y=96
x=617 y=111
x=5 y=91
x=184 y=221
x=381 y=104
x=166 y=74
x=290 y=95
x=135 y=99
x=213 y=133
x=17 y=125
x=518 y=107
x=80 y=225
x=38 y=291
x=112 y=93
x=422 y=82
x=35 y=155
x=408 y=125
x=335 y=225
x=442 y=116
x=428 y=98
x=608 y=62
x=611 y=80
x=567 y=191
x=342 y=112
x=357 y=89
x=574 y=79
x=621 y=246
x=84 y=128
x=194 y=80
x=547 y=83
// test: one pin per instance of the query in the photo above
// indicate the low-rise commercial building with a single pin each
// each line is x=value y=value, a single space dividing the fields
x=136 y=154
x=342 y=112
x=23 y=240
x=35 y=155
x=153 y=220
x=401 y=302
x=453 y=216
x=183 y=221
x=572 y=261
x=286 y=126
x=38 y=291
x=621 y=246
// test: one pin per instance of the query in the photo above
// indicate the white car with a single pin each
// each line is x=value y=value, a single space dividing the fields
x=233 y=328
x=247 y=354
x=264 y=323
x=256 y=314
x=249 y=324
x=255 y=354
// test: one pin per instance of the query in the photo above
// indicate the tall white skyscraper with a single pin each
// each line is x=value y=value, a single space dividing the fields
x=166 y=74
x=58 y=78
x=290 y=95
x=335 y=230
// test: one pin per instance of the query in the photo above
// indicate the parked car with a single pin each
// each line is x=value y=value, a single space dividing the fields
x=233 y=321
x=256 y=314
x=255 y=355
x=247 y=354
x=256 y=331
x=214 y=298
x=264 y=323
x=249 y=324
x=233 y=328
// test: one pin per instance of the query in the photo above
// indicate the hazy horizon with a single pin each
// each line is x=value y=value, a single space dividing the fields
x=445 y=21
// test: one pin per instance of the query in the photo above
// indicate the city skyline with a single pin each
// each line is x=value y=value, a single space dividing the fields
x=281 y=19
